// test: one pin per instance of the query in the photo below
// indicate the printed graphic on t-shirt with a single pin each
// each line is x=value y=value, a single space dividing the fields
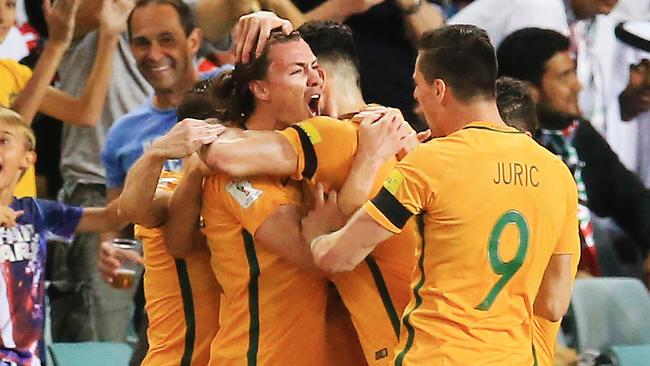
x=22 y=270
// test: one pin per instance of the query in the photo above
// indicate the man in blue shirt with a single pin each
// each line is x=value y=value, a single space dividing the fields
x=164 y=42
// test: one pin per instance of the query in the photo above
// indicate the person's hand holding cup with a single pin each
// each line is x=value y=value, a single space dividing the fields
x=120 y=261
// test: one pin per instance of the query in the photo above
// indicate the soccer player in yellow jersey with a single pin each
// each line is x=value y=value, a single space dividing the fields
x=325 y=149
x=517 y=108
x=262 y=321
x=498 y=211
x=182 y=295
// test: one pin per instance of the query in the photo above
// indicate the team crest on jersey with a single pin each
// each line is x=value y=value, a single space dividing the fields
x=393 y=181
x=312 y=132
x=18 y=243
x=243 y=192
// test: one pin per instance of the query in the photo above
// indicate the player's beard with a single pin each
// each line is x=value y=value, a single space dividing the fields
x=553 y=119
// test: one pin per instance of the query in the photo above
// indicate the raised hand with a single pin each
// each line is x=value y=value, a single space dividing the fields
x=114 y=15
x=383 y=132
x=635 y=99
x=186 y=138
x=60 y=18
x=252 y=31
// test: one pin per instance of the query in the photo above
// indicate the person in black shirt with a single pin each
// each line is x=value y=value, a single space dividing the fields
x=608 y=189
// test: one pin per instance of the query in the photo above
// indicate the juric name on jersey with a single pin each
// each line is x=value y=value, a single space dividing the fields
x=516 y=174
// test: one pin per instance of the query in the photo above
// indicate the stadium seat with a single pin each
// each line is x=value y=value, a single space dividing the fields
x=625 y=356
x=90 y=353
x=608 y=312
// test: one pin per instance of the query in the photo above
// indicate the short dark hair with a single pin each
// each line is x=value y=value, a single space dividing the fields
x=185 y=14
x=516 y=105
x=463 y=57
x=330 y=41
x=524 y=53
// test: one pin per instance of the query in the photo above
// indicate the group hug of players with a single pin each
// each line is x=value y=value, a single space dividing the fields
x=451 y=261
x=285 y=227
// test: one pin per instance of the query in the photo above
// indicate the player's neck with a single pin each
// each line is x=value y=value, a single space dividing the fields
x=462 y=114
x=343 y=97
x=261 y=119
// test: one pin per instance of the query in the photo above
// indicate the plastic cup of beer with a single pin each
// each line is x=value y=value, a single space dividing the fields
x=125 y=275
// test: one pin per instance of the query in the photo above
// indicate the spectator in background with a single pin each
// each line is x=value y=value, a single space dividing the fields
x=12 y=42
x=502 y=17
x=164 y=41
x=542 y=58
x=26 y=92
x=103 y=313
x=384 y=31
x=25 y=225
x=592 y=40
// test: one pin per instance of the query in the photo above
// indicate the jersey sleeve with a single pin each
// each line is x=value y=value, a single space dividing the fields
x=407 y=191
x=324 y=147
x=252 y=201
x=569 y=240
x=60 y=220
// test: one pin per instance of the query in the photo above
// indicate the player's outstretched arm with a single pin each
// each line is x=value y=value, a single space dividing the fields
x=292 y=242
x=288 y=242
x=139 y=203
x=182 y=231
x=251 y=153
x=343 y=250
x=554 y=294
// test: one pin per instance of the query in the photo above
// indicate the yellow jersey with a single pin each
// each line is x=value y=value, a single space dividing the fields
x=545 y=331
x=182 y=298
x=495 y=207
x=272 y=312
x=377 y=291
x=14 y=76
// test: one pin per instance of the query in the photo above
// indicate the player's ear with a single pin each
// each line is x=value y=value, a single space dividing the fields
x=439 y=89
x=259 y=89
